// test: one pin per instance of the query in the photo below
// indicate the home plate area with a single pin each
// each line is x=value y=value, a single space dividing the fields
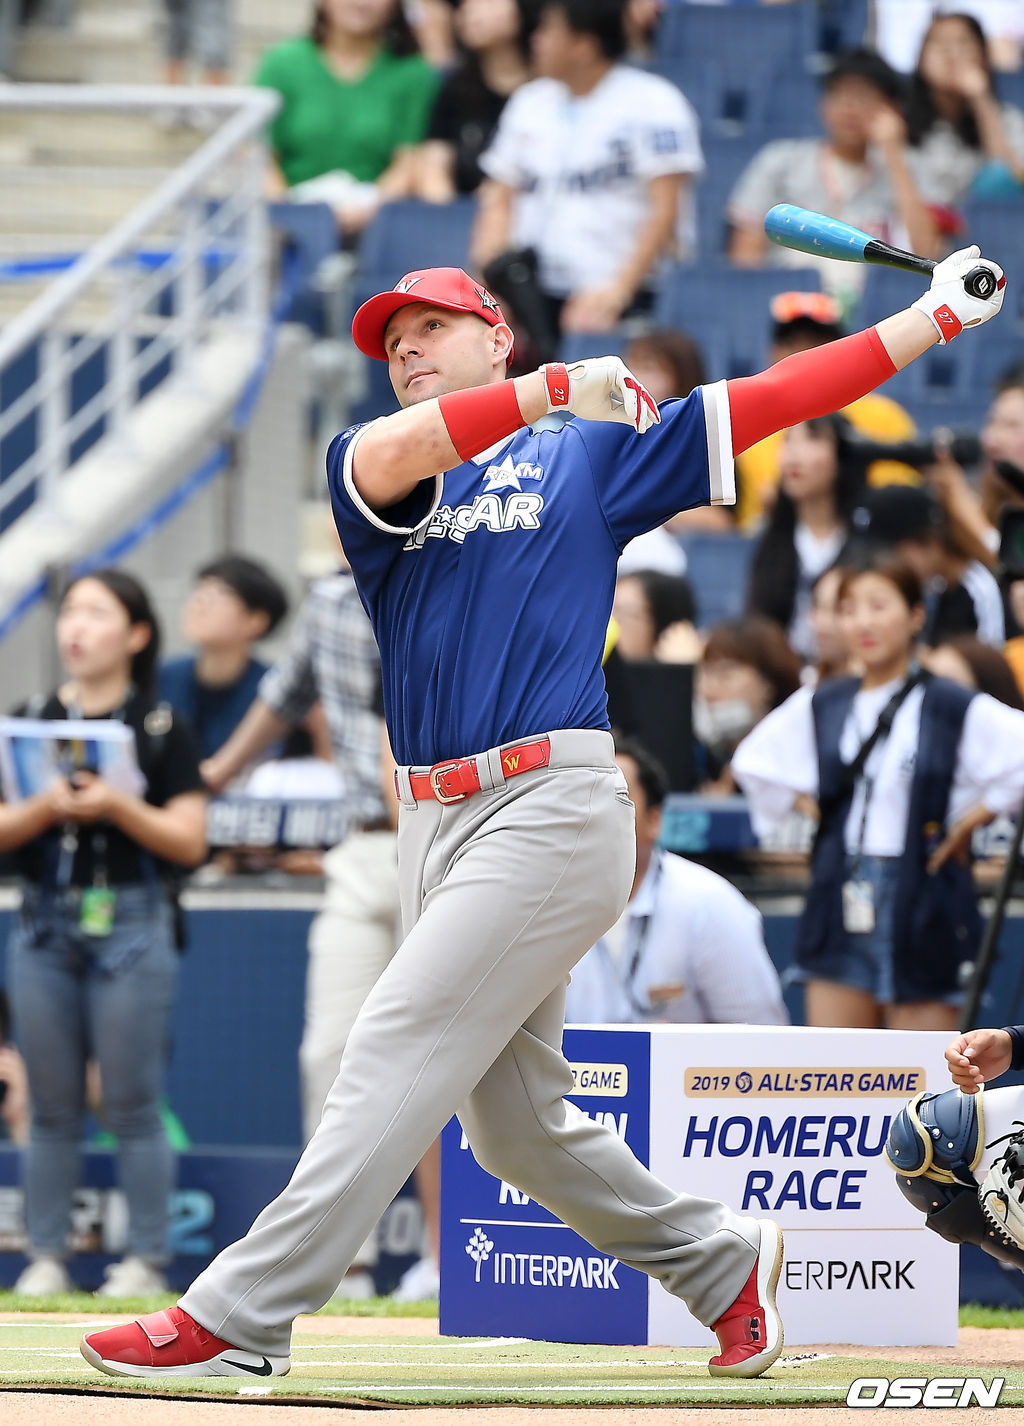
x=359 y=1361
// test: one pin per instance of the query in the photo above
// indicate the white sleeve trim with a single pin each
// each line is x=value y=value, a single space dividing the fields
x=718 y=428
x=367 y=511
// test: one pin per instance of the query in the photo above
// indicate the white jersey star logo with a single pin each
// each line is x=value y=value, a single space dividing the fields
x=501 y=477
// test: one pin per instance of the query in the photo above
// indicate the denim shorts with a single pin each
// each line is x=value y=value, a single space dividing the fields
x=866 y=962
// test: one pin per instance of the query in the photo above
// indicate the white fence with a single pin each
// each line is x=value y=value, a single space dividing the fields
x=192 y=255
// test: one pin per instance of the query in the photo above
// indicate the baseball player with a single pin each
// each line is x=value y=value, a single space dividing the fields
x=483 y=537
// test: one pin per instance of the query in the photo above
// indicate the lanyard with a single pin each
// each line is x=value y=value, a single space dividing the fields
x=627 y=982
x=827 y=174
x=69 y=839
x=857 y=770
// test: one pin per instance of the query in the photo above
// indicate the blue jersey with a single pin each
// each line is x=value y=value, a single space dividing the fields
x=490 y=587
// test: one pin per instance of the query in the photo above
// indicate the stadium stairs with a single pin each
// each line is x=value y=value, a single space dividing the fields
x=67 y=179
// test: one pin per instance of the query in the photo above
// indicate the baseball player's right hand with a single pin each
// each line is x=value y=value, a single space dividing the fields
x=949 y=306
x=601 y=389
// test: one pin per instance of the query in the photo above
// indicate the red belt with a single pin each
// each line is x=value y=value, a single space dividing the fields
x=457 y=779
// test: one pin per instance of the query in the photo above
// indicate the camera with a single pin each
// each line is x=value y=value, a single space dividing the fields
x=962 y=446
x=1011 y=543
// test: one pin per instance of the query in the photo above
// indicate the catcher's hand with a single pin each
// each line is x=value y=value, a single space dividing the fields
x=949 y=306
x=978 y=1056
x=1001 y=1195
x=601 y=389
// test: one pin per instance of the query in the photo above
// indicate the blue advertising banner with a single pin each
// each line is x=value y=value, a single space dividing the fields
x=217 y=1198
x=506 y=1259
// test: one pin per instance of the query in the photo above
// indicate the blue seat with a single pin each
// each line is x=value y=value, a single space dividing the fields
x=842 y=25
x=959 y=413
x=791 y=108
x=993 y=352
x=997 y=226
x=310 y=228
x=727 y=310
x=309 y=234
x=965 y=370
x=718 y=568
x=771 y=36
x=1010 y=88
x=380 y=399
x=725 y=160
x=409 y=235
x=887 y=290
x=733 y=68
x=578 y=346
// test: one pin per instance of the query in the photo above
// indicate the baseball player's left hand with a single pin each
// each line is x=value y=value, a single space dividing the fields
x=948 y=305
x=601 y=389
x=978 y=1056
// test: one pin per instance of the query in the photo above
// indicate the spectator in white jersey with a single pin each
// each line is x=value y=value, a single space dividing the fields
x=590 y=171
x=688 y=948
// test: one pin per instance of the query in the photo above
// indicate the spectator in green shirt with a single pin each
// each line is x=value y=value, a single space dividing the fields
x=357 y=97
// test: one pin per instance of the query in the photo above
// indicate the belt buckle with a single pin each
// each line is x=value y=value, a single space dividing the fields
x=438 y=771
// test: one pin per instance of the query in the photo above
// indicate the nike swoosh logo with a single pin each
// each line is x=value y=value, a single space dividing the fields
x=265 y=1370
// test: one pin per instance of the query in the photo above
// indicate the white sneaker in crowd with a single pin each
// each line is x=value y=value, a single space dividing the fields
x=419 y=1282
x=44 y=1277
x=133 y=1277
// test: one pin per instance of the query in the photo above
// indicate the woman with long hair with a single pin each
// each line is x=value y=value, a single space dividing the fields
x=92 y=963
x=900 y=767
x=960 y=135
x=355 y=99
x=493 y=61
x=820 y=486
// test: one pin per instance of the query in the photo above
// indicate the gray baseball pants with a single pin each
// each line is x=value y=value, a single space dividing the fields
x=501 y=895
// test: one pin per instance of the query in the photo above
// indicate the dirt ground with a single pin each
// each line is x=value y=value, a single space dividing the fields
x=978 y=1351
x=29 y=1409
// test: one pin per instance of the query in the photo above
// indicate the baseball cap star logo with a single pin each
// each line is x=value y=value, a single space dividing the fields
x=486 y=300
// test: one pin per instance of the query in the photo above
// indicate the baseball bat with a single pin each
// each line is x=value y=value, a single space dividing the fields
x=809 y=232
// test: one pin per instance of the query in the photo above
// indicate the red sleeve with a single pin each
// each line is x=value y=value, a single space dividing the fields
x=809 y=384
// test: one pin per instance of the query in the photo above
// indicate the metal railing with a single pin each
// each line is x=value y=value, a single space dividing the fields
x=191 y=256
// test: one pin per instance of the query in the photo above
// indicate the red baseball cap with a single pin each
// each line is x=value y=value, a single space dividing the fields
x=447 y=287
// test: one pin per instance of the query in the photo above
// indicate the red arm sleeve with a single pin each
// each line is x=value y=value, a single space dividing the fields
x=809 y=384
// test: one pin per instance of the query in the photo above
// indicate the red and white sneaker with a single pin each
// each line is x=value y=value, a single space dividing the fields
x=750 y=1332
x=173 y=1344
